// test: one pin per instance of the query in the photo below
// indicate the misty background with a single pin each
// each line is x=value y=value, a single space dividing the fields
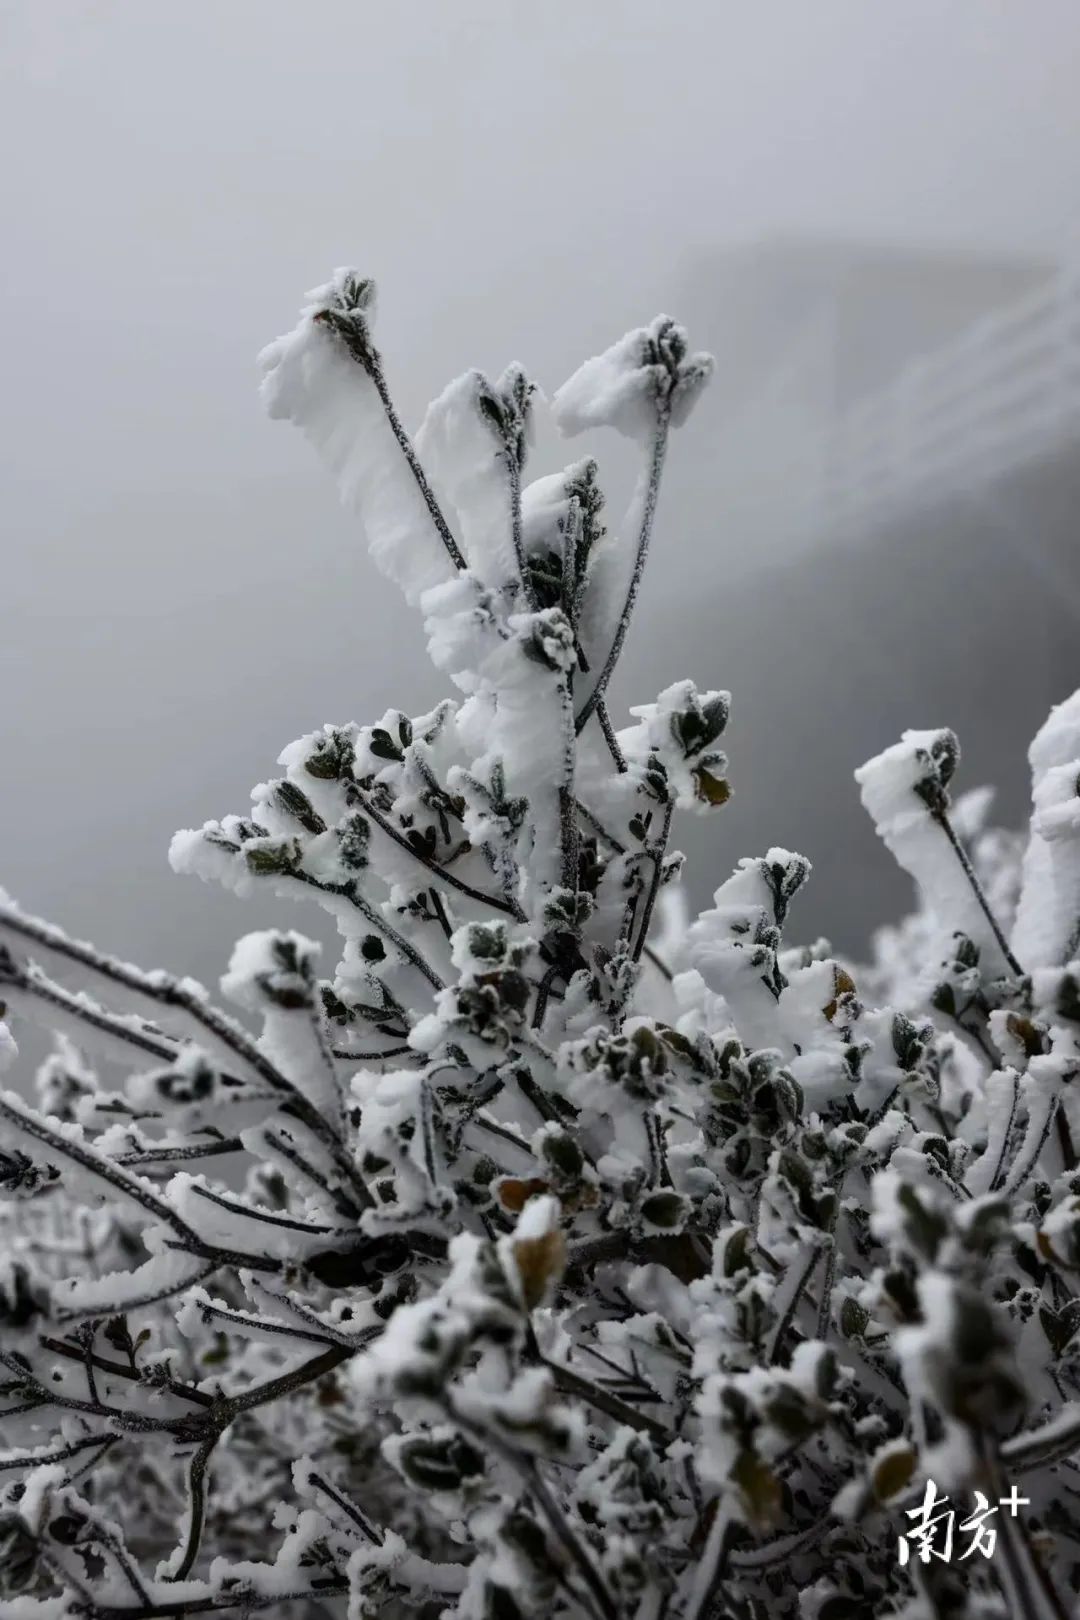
x=824 y=193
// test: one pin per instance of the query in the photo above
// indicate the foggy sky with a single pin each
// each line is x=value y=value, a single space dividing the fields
x=180 y=595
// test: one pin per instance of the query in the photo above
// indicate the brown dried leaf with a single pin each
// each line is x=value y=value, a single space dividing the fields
x=843 y=985
x=714 y=790
x=759 y=1489
x=513 y=1194
x=540 y=1262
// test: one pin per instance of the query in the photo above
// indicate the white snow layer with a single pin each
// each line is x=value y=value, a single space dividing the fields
x=469 y=475
x=310 y=378
x=917 y=841
x=1048 y=914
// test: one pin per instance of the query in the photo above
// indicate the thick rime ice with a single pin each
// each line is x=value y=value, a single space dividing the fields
x=1048 y=918
x=310 y=378
x=905 y=791
x=551 y=1256
x=623 y=387
x=463 y=448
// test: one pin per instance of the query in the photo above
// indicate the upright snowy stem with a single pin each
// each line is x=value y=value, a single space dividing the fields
x=657 y=852
x=365 y=354
x=942 y=819
x=652 y=492
x=567 y=802
x=513 y=478
x=617 y=756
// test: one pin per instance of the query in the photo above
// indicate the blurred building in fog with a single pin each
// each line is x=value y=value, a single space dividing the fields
x=885 y=490
x=852 y=314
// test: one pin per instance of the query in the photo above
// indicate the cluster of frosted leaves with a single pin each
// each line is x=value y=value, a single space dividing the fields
x=547 y=1257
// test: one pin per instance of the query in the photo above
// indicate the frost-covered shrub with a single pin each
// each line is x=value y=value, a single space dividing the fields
x=546 y=1256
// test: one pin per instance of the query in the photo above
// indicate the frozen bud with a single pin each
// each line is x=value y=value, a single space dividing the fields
x=353 y=294
x=354 y=835
x=189 y=1081
x=506 y=406
x=330 y=755
x=562 y=1157
x=567 y=909
x=647 y=376
x=482 y=947
x=547 y=638
x=293 y=803
x=272 y=968
x=267 y=857
x=347 y=306
x=672 y=745
x=636 y=1062
x=919 y=767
